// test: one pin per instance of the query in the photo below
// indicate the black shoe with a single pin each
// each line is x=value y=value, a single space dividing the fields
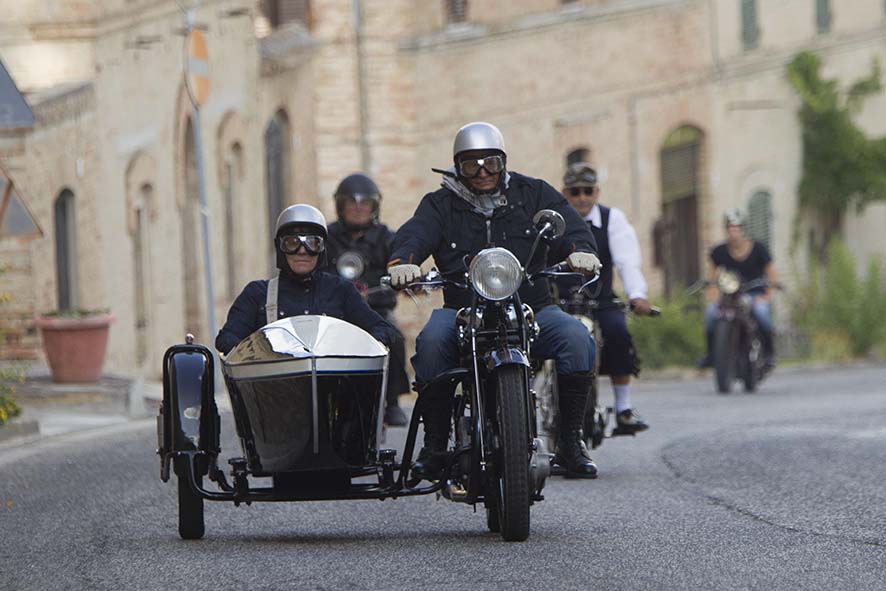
x=627 y=422
x=572 y=455
x=395 y=417
x=705 y=362
x=429 y=464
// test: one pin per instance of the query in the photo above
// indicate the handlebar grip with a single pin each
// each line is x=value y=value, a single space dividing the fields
x=385 y=281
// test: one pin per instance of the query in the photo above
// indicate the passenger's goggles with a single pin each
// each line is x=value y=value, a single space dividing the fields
x=470 y=167
x=291 y=243
x=576 y=191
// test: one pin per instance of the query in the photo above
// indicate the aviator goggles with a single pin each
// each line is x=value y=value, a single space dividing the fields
x=576 y=191
x=292 y=243
x=470 y=167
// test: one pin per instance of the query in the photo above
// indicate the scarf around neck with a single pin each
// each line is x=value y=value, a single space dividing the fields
x=483 y=203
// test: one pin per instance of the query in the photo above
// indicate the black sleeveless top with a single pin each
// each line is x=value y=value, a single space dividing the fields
x=566 y=284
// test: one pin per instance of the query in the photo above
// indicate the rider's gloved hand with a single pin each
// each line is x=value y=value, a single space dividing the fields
x=585 y=263
x=402 y=275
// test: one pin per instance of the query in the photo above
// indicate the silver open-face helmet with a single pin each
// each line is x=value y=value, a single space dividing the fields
x=300 y=215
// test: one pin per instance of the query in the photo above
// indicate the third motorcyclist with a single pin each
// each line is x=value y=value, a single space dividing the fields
x=359 y=231
x=480 y=204
x=752 y=261
x=618 y=247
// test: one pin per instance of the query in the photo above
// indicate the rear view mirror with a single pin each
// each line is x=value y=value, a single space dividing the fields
x=549 y=223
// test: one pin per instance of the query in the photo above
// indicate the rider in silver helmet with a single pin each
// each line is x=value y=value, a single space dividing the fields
x=299 y=287
x=358 y=235
x=481 y=203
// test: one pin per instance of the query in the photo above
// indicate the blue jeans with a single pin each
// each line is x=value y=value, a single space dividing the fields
x=761 y=310
x=562 y=338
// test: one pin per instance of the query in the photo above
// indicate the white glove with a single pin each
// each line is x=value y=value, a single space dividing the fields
x=402 y=275
x=585 y=263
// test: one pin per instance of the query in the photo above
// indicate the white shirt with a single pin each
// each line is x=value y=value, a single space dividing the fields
x=625 y=250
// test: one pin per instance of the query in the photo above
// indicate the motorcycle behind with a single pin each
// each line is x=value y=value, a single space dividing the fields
x=584 y=306
x=737 y=347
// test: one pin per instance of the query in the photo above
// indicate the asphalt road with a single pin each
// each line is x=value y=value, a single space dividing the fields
x=784 y=489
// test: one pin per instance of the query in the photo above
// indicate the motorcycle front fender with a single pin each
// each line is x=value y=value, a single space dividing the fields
x=505 y=356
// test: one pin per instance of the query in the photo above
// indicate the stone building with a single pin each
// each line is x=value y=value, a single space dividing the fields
x=683 y=105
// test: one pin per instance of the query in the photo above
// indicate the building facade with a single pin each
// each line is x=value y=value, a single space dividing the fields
x=683 y=105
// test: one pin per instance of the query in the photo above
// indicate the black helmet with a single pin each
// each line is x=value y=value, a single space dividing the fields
x=358 y=187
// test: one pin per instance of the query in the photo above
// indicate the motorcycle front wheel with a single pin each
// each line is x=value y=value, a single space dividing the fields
x=724 y=356
x=190 y=505
x=512 y=454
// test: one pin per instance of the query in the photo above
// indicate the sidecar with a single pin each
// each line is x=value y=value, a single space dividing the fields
x=307 y=399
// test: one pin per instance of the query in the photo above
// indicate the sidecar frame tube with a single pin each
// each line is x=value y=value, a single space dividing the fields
x=358 y=491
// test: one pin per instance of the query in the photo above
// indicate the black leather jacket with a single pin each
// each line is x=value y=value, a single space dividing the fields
x=446 y=226
x=374 y=245
x=318 y=293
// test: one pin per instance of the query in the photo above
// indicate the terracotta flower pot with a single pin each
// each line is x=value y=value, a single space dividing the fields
x=75 y=347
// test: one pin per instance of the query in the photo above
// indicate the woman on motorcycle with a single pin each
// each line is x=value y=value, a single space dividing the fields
x=752 y=261
x=299 y=287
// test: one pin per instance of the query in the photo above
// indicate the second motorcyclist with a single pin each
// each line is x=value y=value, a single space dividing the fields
x=480 y=204
x=358 y=231
x=619 y=248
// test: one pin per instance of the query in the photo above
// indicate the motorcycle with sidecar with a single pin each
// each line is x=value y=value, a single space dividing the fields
x=307 y=401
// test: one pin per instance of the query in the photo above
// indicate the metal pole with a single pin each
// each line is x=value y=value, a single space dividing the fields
x=204 y=222
x=362 y=90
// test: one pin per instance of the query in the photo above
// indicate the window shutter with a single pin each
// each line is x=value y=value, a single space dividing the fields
x=456 y=11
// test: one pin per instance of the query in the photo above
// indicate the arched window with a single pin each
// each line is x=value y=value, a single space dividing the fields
x=823 y=16
x=456 y=11
x=233 y=174
x=759 y=224
x=141 y=264
x=580 y=154
x=281 y=12
x=677 y=240
x=277 y=170
x=66 y=250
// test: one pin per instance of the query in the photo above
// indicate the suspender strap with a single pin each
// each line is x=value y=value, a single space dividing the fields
x=271 y=301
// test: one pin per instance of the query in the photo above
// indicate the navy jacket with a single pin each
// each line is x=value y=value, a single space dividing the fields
x=374 y=245
x=445 y=226
x=318 y=294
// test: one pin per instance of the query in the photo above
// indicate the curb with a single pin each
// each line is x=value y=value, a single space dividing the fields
x=17 y=429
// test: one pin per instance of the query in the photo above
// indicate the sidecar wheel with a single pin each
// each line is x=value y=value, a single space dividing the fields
x=512 y=459
x=191 y=525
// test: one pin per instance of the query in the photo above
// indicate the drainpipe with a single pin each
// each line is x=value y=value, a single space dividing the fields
x=362 y=91
x=635 y=155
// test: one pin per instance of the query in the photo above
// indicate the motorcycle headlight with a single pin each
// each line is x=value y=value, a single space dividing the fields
x=728 y=282
x=495 y=273
x=350 y=265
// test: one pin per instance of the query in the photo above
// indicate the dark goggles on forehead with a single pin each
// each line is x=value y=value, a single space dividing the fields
x=470 y=167
x=291 y=243
x=576 y=191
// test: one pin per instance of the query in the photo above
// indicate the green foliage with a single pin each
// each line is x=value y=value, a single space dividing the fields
x=674 y=338
x=8 y=407
x=841 y=166
x=77 y=313
x=841 y=311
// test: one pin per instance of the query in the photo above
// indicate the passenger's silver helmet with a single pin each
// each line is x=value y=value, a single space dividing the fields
x=301 y=214
x=733 y=217
x=478 y=136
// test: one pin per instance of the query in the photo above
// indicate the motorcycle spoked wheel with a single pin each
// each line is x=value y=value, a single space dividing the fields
x=724 y=356
x=509 y=487
x=594 y=428
x=191 y=525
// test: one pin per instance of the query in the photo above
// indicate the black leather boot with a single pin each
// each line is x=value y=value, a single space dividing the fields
x=436 y=408
x=572 y=454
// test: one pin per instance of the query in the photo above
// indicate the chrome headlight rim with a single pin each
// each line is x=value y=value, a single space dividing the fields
x=728 y=281
x=495 y=273
x=350 y=265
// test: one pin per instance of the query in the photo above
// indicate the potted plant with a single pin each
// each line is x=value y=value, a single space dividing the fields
x=75 y=343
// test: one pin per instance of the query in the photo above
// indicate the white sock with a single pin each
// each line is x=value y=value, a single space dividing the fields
x=622 y=396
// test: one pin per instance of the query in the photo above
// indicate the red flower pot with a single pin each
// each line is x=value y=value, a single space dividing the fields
x=75 y=347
